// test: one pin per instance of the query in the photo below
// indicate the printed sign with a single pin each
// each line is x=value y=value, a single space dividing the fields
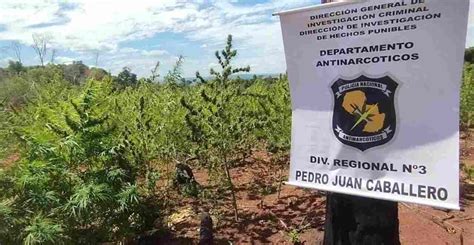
x=375 y=97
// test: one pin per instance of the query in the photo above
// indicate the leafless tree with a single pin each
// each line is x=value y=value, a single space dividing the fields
x=40 y=45
x=96 y=56
x=3 y=51
x=15 y=46
x=13 y=49
x=53 y=55
x=154 y=72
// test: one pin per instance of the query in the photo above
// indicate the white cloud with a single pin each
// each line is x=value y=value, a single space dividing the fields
x=4 y=61
x=87 y=26
x=140 y=61
x=470 y=26
x=91 y=24
x=471 y=13
x=64 y=60
x=154 y=53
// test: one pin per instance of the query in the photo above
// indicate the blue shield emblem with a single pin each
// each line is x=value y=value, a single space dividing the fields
x=364 y=111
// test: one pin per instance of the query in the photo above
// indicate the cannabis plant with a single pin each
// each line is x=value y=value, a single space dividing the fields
x=73 y=183
x=215 y=120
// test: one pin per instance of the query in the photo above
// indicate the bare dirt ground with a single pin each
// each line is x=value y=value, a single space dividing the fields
x=425 y=225
x=298 y=215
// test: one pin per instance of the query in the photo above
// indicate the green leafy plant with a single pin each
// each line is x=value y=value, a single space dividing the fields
x=89 y=161
x=294 y=236
x=73 y=171
x=469 y=171
x=467 y=96
x=215 y=126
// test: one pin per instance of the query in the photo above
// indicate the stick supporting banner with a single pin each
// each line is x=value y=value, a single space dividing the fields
x=359 y=220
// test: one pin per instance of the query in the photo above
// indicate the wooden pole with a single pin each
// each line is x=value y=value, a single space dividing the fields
x=359 y=220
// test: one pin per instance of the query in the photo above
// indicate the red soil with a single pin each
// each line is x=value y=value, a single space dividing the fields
x=267 y=219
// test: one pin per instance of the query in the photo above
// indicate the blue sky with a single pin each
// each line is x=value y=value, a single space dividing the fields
x=140 y=32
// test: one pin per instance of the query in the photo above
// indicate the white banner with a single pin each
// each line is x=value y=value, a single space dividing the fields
x=375 y=98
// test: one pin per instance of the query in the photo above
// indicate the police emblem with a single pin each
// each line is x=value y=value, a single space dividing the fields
x=364 y=111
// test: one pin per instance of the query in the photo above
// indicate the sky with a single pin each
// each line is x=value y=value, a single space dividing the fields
x=138 y=33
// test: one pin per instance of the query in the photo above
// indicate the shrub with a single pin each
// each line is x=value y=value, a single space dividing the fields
x=90 y=153
x=467 y=96
x=73 y=182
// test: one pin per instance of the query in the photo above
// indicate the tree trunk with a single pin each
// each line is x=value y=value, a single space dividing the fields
x=358 y=220
x=232 y=189
x=280 y=182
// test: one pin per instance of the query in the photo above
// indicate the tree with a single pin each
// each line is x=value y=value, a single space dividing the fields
x=14 y=49
x=53 y=56
x=97 y=73
x=40 y=45
x=174 y=76
x=154 y=72
x=469 y=55
x=126 y=77
x=15 y=67
x=75 y=72
x=467 y=96
x=96 y=57
x=3 y=50
x=15 y=46
x=216 y=128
